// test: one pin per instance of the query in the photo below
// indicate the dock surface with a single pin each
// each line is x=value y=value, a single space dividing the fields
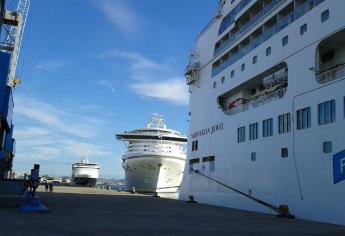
x=91 y=211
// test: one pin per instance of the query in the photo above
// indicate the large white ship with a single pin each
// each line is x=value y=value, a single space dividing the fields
x=155 y=157
x=267 y=94
x=85 y=173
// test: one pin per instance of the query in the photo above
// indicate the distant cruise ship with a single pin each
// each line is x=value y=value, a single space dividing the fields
x=267 y=94
x=155 y=157
x=85 y=173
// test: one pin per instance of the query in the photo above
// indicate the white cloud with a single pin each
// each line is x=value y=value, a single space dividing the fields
x=53 y=117
x=120 y=14
x=173 y=90
x=106 y=84
x=47 y=133
x=51 y=66
x=153 y=79
x=31 y=132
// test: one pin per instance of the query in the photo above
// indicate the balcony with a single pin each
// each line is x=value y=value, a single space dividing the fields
x=330 y=74
x=192 y=72
x=303 y=9
x=267 y=34
x=246 y=27
x=285 y=21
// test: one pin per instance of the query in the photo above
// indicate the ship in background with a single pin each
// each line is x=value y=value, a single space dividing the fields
x=155 y=157
x=85 y=173
x=267 y=100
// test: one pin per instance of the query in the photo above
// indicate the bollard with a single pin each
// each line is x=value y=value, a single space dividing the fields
x=133 y=190
x=191 y=199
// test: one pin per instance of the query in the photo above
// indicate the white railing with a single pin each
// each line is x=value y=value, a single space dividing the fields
x=275 y=95
x=331 y=74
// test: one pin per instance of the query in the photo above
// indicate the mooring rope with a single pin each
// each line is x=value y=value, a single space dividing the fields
x=284 y=211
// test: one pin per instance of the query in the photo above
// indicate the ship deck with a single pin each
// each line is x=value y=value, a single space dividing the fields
x=91 y=211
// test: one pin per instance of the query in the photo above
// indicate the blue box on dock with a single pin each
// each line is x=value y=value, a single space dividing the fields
x=6 y=99
x=9 y=146
x=6 y=106
x=9 y=141
x=5 y=60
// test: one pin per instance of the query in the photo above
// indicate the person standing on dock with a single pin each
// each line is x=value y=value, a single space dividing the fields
x=46 y=186
x=51 y=187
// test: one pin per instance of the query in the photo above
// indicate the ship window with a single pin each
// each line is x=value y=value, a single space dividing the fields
x=327 y=147
x=285 y=40
x=253 y=131
x=284 y=123
x=268 y=51
x=193 y=164
x=253 y=156
x=214 y=84
x=255 y=59
x=232 y=73
x=211 y=162
x=241 y=134
x=243 y=66
x=326 y=111
x=284 y=152
x=324 y=15
x=303 y=29
x=195 y=145
x=267 y=127
x=223 y=80
x=303 y=118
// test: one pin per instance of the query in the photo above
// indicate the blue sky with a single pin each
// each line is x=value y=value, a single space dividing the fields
x=92 y=68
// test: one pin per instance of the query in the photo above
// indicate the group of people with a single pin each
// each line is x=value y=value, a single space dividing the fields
x=48 y=186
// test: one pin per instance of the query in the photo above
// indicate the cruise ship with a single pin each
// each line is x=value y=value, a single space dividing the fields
x=85 y=173
x=155 y=157
x=267 y=100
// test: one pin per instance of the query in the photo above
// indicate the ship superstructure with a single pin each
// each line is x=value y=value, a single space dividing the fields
x=155 y=157
x=267 y=105
x=85 y=173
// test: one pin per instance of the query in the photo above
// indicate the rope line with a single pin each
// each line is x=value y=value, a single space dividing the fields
x=280 y=210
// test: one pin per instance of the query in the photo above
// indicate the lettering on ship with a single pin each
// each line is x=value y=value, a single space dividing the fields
x=206 y=131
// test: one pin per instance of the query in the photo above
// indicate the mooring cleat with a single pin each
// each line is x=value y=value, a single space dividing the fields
x=285 y=212
x=191 y=199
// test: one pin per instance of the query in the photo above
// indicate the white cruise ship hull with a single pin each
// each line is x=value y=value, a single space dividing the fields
x=153 y=173
x=303 y=167
x=85 y=174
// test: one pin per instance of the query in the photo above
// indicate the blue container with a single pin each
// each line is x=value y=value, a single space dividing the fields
x=5 y=59
x=6 y=99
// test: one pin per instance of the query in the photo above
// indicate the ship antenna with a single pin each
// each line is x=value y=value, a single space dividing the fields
x=157 y=121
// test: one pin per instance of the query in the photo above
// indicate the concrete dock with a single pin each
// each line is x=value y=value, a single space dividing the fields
x=87 y=211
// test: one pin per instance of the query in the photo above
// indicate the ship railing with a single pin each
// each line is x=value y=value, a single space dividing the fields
x=285 y=21
x=304 y=8
x=270 y=6
x=330 y=74
x=317 y=2
x=267 y=34
x=237 y=109
x=257 y=17
x=268 y=97
x=246 y=27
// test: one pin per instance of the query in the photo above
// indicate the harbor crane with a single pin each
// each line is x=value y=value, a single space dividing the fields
x=12 y=43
